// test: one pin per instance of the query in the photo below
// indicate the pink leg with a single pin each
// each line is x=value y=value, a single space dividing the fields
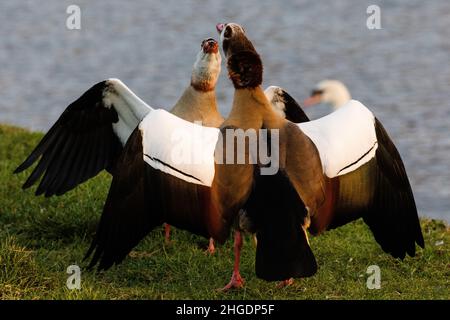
x=167 y=232
x=285 y=283
x=211 y=247
x=236 y=280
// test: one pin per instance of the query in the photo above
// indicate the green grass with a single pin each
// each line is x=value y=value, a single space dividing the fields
x=40 y=238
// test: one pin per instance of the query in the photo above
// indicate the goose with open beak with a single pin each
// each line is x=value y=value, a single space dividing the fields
x=90 y=134
x=339 y=168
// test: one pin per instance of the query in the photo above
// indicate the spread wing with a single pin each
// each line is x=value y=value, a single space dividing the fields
x=150 y=187
x=392 y=216
x=87 y=138
x=126 y=217
x=381 y=194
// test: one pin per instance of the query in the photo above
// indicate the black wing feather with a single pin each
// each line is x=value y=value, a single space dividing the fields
x=393 y=217
x=40 y=168
x=293 y=110
x=66 y=152
x=390 y=212
x=73 y=176
x=53 y=170
x=141 y=198
x=127 y=217
x=48 y=139
x=61 y=178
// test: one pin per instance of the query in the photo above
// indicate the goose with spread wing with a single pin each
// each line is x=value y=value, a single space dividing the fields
x=165 y=174
x=90 y=134
x=339 y=168
x=166 y=153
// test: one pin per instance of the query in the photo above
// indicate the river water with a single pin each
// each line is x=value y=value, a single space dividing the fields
x=401 y=72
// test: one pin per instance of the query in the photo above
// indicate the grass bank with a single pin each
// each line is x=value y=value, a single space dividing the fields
x=40 y=238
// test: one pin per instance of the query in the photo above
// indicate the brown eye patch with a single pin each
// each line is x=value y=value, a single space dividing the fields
x=228 y=32
x=225 y=45
x=316 y=92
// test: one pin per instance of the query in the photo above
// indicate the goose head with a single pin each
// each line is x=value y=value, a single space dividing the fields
x=206 y=68
x=332 y=92
x=243 y=62
x=233 y=38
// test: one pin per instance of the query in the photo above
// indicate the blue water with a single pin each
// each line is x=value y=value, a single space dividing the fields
x=400 y=72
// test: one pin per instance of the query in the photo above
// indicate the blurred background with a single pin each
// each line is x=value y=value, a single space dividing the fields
x=401 y=72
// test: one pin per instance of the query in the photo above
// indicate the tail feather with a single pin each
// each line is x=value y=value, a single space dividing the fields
x=278 y=216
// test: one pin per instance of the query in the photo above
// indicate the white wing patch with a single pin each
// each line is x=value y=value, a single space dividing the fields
x=178 y=147
x=278 y=106
x=130 y=108
x=346 y=139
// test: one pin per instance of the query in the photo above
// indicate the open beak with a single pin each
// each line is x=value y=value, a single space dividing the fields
x=312 y=100
x=210 y=46
x=219 y=27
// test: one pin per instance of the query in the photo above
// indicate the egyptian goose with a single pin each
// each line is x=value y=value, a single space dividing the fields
x=164 y=174
x=92 y=131
x=299 y=183
x=287 y=107
x=90 y=134
x=338 y=168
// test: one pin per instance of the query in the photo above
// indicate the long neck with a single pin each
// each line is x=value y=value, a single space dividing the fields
x=196 y=105
x=341 y=96
x=251 y=109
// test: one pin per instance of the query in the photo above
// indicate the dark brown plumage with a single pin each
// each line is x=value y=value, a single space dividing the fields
x=300 y=182
x=245 y=69
x=380 y=193
x=141 y=198
x=77 y=147
x=161 y=197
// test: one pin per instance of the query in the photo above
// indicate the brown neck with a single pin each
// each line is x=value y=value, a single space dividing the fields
x=203 y=86
x=251 y=109
x=197 y=105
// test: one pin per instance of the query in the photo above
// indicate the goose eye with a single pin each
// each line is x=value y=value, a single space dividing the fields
x=228 y=32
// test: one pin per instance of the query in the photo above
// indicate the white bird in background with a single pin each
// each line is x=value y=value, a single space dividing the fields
x=332 y=92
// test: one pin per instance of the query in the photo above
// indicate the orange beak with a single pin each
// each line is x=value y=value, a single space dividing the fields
x=312 y=100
